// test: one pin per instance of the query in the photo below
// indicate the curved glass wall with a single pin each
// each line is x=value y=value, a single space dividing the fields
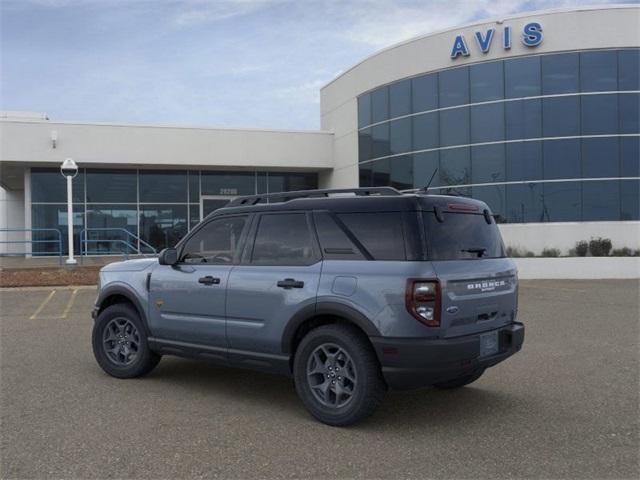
x=545 y=138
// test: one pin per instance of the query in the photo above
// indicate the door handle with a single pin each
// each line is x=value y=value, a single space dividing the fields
x=209 y=280
x=290 y=283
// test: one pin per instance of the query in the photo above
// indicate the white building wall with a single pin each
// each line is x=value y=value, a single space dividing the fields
x=11 y=217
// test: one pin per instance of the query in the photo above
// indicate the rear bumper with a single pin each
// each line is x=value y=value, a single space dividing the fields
x=413 y=363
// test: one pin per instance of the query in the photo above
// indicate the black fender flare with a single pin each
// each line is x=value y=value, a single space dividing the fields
x=326 y=308
x=124 y=291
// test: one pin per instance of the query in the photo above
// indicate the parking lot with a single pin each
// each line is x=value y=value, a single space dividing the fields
x=565 y=407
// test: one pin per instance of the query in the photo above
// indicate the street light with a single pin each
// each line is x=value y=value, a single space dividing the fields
x=69 y=170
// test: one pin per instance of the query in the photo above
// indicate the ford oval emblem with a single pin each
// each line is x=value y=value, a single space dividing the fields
x=452 y=309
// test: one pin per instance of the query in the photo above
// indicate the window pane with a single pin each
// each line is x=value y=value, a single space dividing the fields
x=560 y=73
x=629 y=69
x=48 y=185
x=425 y=131
x=365 y=145
x=629 y=113
x=522 y=77
x=194 y=215
x=261 y=182
x=524 y=203
x=334 y=242
x=629 y=200
x=364 y=110
x=600 y=157
x=424 y=166
x=290 y=182
x=400 y=98
x=381 y=173
x=424 y=93
x=601 y=200
x=487 y=164
x=454 y=127
x=380 y=105
x=163 y=186
x=561 y=116
x=53 y=217
x=455 y=166
x=454 y=87
x=380 y=137
x=380 y=233
x=523 y=119
x=599 y=114
x=228 y=183
x=105 y=224
x=524 y=161
x=194 y=186
x=215 y=243
x=365 y=175
x=487 y=81
x=487 y=123
x=283 y=240
x=494 y=196
x=630 y=157
x=562 y=159
x=599 y=71
x=562 y=201
x=402 y=172
x=400 y=133
x=112 y=186
x=163 y=226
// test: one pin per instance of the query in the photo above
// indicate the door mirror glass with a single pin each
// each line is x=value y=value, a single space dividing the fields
x=168 y=256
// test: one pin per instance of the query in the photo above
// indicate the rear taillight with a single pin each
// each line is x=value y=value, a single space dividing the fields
x=422 y=299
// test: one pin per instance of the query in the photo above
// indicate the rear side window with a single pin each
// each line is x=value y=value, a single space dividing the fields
x=335 y=243
x=380 y=233
x=462 y=236
x=284 y=239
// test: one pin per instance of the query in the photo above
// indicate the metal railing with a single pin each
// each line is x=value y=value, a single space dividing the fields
x=57 y=241
x=131 y=243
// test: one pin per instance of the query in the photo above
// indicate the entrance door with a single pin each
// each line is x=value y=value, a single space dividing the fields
x=209 y=203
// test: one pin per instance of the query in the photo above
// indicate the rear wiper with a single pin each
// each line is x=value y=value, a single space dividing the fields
x=479 y=251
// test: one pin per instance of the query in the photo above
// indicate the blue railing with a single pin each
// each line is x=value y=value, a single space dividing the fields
x=57 y=241
x=131 y=243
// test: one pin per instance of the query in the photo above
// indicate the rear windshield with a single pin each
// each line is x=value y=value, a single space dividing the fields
x=462 y=236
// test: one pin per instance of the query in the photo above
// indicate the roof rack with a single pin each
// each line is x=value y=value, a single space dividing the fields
x=286 y=196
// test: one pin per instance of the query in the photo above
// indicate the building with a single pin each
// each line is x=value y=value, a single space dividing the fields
x=536 y=114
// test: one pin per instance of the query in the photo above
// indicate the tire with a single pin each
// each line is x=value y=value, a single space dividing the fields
x=460 y=381
x=119 y=326
x=358 y=388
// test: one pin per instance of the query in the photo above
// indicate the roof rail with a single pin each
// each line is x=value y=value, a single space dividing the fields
x=286 y=196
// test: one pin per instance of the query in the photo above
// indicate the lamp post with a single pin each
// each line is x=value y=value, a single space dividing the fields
x=69 y=170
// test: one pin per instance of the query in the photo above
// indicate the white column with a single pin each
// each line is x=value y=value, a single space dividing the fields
x=70 y=260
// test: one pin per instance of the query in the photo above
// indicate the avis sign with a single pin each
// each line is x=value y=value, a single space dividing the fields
x=531 y=37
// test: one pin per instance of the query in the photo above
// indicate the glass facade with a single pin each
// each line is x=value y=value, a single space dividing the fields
x=544 y=138
x=157 y=206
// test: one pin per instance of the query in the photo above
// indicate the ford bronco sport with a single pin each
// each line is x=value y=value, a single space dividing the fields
x=350 y=292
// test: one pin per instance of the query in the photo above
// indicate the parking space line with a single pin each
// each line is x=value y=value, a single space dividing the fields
x=69 y=303
x=42 y=305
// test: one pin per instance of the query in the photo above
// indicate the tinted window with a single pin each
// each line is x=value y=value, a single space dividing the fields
x=487 y=81
x=522 y=77
x=487 y=122
x=424 y=93
x=194 y=187
x=400 y=99
x=455 y=166
x=524 y=161
x=215 y=243
x=365 y=175
x=629 y=204
x=380 y=138
x=283 y=239
x=365 y=145
x=561 y=116
x=598 y=71
x=524 y=203
x=402 y=172
x=629 y=70
x=380 y=105
x=600 y=157
x=381 y=174
x=364 y=110
x=163 y=226
x=560 y=73
x=561 y=159
x=48 y=185
x=380 y=233
x=334 y=241
x=601 y=200
x=106 y=186
x=523 y=119
x=599 y=114
x=562 y=201
x=53 y=216
x=289 y=182
x=424 y=166
x=400 y=135
x=460 y=232
x=228 y=183
x=114 y=218
x=494 y=197
x=163 y=186
x=487 y=164
x=629 y=112
x=425 y=131
x=630 y=157
x=454 y=127
x=454 y=87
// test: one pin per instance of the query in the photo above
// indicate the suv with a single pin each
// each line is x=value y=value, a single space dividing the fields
x=350 y=292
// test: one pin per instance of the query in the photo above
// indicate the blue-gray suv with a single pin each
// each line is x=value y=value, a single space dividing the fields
x=350 y=292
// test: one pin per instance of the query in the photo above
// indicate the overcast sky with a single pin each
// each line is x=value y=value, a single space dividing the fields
x=231 y=63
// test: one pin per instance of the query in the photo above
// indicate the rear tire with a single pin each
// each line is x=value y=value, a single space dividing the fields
x=120 y=344
x=460 y=381
x=337 y=375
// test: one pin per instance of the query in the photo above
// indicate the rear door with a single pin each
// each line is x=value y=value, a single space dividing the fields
x=278 y=276
x=479 y=284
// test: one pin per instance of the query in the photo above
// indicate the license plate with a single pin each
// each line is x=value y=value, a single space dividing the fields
x=489 y=344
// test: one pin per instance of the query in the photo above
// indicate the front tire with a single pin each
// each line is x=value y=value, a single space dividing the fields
x=120 y=343
x=337 y=375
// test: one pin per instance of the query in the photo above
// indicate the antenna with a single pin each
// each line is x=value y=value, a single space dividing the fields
x=424 y=189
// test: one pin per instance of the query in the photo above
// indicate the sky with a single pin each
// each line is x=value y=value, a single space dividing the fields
x=219 y=63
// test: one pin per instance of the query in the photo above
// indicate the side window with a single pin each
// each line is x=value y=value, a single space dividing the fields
x=334 y=242
x=283 y=239
x=380 y=233
x=215 y=243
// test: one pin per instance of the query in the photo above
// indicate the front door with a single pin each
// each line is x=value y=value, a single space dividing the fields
x=187 y=300
x=209 y=203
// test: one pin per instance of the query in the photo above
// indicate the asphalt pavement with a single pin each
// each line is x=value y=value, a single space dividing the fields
x=566 y=406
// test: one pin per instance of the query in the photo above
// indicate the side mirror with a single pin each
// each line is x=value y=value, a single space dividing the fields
x=168 y=256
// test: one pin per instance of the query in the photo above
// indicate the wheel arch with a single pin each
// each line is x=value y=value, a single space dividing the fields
x=118 y=294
